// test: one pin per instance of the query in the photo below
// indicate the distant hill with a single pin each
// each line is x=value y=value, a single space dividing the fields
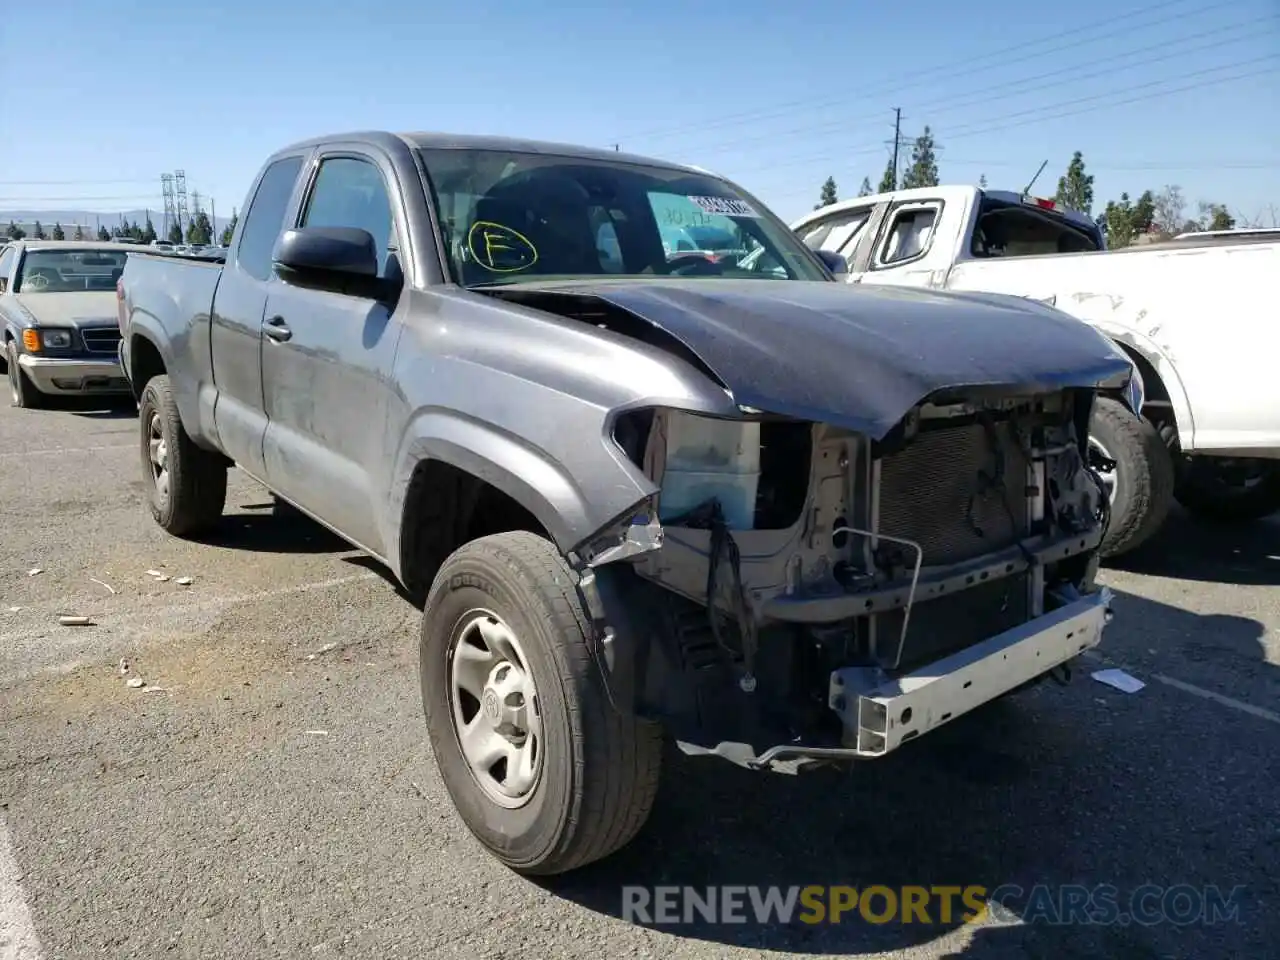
x=89 y=219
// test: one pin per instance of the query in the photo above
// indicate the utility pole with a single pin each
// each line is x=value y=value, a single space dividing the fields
x=213 y=221
x=897 y=139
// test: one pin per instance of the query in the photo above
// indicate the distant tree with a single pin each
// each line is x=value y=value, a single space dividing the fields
x=15 y=232
x=1075 y=188
x=865 y=189
x=890 y=179
x=229 y=230
x=79 y=235
x=1170 y=211
x=102 y=233
x=923 y=171
x=149 y=232
x=1116 y=222
x=1144 y=213
x=58 y=233
x=1217 y=217
x=38 y=233
x=134 y=231
x=982 y=182
x=828 y=195
x=175 y=233
x=200 y=230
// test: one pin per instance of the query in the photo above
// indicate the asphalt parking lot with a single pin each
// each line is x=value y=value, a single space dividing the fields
x=270 y=792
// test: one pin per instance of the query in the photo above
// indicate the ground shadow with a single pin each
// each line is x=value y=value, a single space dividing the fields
x=366 y=562
x=1082 y=785
x=121 y=407
x=1191 y=549
x=280 y=531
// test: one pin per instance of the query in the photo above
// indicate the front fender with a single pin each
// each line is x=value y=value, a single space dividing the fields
x=568 y=512
x=1136 y=344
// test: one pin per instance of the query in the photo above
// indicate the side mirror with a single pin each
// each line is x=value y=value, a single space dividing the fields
x=834 y=261
x=330 y=258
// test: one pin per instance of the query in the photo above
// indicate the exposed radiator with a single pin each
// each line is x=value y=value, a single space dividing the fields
x=940 y=491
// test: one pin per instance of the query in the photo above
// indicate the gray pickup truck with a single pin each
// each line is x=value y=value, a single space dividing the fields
x=767 y=515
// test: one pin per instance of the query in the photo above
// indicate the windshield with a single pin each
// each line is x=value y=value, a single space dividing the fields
x=509 y=216
x=69 y=271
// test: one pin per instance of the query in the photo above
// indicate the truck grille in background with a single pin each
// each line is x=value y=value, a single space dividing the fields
x=101 y=339
x=954 y=621
x=932 y=491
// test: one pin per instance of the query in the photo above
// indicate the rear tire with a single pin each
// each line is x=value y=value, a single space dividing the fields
x=597 y=769
x=1203 y=491
x=1143 y=479
x=22 y=392
x=187 y=488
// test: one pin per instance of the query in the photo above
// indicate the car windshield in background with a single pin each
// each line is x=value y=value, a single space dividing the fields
x=511 y=216
x=69 y=271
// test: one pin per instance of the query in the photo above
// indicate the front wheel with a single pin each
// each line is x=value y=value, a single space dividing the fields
x=22 y=392
x=544 y=771
x=1137 y=470
x=186 y=485
x=1228 y=490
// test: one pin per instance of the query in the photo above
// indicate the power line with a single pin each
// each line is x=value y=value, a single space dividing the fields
x=948 y=71
x=77 y=199
x=1047 y=112
x=67 y=183
x=1021 y=85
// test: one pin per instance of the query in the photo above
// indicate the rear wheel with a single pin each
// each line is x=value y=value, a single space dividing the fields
x=1137 y=470
x=187 y=485
x=544 y=771
x=1229 y=490
x=22 y=392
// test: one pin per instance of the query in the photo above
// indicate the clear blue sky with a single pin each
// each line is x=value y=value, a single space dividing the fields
x=101 y=98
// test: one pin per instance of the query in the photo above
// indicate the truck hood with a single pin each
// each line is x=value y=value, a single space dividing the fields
x=859 y=357
x=93 y=308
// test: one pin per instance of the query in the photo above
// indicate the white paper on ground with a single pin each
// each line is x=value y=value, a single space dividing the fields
x=1122 y=681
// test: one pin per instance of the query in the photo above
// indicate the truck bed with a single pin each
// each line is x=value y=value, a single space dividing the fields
x=178 y=292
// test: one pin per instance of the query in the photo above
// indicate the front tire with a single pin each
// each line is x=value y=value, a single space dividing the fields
x=552 y=777
x=22 y=392
x=1141 y=484
x=187 y=488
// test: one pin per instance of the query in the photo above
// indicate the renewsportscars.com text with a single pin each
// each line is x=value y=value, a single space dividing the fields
x=1060 y=905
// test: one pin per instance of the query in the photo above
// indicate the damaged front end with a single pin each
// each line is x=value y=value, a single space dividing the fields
x=799 y=592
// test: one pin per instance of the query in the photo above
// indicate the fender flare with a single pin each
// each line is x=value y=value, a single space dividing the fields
x=146 y=327
x=508 y=463
x=1138 y=345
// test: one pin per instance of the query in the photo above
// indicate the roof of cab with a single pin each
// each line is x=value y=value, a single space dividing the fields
x=460 y=141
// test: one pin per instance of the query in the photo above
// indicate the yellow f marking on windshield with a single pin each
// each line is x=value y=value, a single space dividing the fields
x=500 y=249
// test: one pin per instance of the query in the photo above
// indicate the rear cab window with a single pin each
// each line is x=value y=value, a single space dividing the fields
x=1009 y=229
x=264 y=220
x=837 y=233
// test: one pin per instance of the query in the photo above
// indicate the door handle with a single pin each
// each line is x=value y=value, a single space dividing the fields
x=277 y=330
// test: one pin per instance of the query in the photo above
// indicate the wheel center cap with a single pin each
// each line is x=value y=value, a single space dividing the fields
x=491 y=705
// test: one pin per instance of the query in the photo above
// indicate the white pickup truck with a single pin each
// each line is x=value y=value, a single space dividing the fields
x=1198 y=315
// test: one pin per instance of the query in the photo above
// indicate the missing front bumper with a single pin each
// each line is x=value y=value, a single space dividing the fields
x=879 y=718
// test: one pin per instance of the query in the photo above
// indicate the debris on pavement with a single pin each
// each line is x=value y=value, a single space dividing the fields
x=14 y=609
x=135 y=683
x=1124 y=682
x=322 y=651
x=159 y=576
x=317 y=733
x=70 y=621
x=183 y=581
x=103 y=583
x=34 y=572
x=124 y=667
